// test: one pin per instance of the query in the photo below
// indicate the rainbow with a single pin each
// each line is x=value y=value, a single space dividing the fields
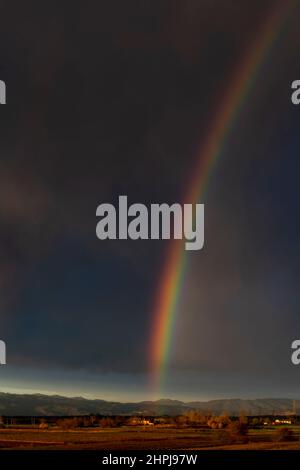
x=208 y=155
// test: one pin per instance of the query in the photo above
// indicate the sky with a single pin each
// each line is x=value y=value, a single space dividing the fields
x=113 y=98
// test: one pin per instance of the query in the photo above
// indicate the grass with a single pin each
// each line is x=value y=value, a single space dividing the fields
x=140 y=438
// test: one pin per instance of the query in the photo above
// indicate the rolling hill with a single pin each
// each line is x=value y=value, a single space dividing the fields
x=54 y=405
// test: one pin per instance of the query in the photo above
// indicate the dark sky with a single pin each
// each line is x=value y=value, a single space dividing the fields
x=110 y=98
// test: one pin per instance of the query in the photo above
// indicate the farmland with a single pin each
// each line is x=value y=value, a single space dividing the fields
x=141 y=438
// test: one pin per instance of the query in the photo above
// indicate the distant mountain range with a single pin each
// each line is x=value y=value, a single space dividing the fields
x=54 y=405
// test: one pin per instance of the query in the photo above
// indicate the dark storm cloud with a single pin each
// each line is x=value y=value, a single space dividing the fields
x=110 y=98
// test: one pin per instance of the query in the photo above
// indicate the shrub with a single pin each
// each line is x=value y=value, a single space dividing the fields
x=237 y=431
x=238 y=428
x=107 y=422
x=69 y=423
x=43 y=424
